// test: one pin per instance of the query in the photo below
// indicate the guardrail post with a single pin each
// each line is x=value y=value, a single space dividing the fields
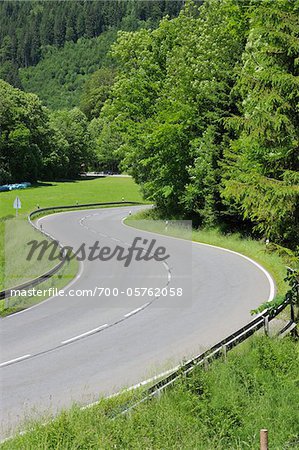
x=292 y=312
x=263 y=439
x=266 y=325
x=205 y=364
x=224 y=352
x=157 y=394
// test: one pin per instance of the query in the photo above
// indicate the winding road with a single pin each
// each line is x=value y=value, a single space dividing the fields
x=79 y=347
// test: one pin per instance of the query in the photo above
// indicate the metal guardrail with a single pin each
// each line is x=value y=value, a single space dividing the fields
x=219 y=349
x=7 y=293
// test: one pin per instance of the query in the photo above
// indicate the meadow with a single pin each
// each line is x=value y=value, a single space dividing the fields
x=108 y=189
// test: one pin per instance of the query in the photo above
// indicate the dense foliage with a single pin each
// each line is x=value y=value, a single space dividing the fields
x=59 y=78
x=168 y=104
x=24 y=134
x=27 y=27
x=73 y=144
x=204 y=113
x=35 y=145
x=263 y=158
x=223 y=407
x=59 y=44
x=96 y=91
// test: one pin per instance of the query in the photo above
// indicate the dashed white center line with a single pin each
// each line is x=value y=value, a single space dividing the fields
x=6 y=363
x=75 y=338
x=137 y=310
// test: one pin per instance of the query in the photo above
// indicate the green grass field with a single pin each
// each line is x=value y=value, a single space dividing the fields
x=221 y=408
x=109 y=189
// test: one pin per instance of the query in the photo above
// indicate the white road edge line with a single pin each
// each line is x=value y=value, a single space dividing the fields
x=6 y=363
x=135 y=386
x=266 y=273
x=137 y=310
x=75 y=338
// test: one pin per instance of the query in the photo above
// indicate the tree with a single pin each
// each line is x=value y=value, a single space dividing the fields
x=59 y=30
x=96 y=91
x=202 y=198
x=106 y=141
x=23 y=134
x=8 y=69
x=174 y=84
x=262 y=162
x=71 y=128
x=9 y=72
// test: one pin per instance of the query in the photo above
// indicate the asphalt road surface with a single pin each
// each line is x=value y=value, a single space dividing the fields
x=81 y=346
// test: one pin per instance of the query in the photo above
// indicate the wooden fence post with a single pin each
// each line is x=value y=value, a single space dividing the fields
x=263 y=439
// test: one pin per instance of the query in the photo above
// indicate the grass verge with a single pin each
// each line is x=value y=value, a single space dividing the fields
x=222 y=408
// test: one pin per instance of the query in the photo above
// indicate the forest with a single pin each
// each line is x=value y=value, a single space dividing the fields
x=28 y=29
x=201 y=107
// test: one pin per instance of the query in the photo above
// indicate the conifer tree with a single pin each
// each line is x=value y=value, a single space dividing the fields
x=263 y=161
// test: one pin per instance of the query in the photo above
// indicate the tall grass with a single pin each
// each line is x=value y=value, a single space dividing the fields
x=223 y=407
